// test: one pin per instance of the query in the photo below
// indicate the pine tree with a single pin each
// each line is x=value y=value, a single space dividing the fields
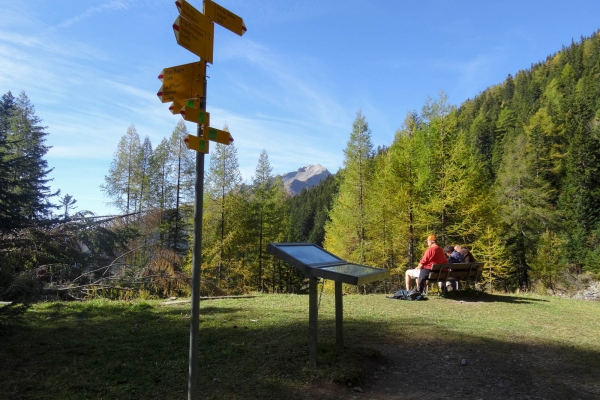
x=381 y=207
x=491 y=249
x=9 y=199
x=119 y=185
x=402 y=164
x=262 y=185
x=309 y=211
x=161 y=187
x=25 y=194
x=277 y=218
x=67 y=202
x=222 y=182
x=524 y=203
x=345 y=234
x=182 y=181
x=547 y=265
x=142 y=173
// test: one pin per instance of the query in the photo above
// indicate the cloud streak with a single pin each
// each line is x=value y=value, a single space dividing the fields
x=113 y=5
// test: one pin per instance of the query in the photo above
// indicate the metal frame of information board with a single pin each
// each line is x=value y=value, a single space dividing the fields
x=315 y=262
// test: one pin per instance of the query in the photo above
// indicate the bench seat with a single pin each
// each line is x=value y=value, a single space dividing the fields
x=466 y=272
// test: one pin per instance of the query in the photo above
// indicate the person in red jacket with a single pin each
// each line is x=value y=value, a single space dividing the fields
x=433 y=255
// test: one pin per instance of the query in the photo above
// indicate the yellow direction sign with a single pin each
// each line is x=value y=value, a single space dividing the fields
x=196 y=38
x=187 y=11
x=182 y=82
x=196 y=143
x=197 y=116
x=219 y=136
x=179 y=104
x=224 y=17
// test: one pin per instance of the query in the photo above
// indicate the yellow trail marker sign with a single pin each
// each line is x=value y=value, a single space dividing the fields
x=196 y=38
x=219 y=136
x=224 y=17
x=196 y=143
x=179 y=104
x=187 y=11
x=197 y=116
x=182 y=82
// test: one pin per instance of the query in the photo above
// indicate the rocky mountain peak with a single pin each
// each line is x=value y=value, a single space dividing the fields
x=305 y=177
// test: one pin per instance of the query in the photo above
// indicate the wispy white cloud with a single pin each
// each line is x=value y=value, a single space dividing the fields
x=294 y=85
x=113 y=5
x=50 y=43
x=287 y=144
x=78 y=151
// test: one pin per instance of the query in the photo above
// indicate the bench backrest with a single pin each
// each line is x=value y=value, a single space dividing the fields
x=460 y=271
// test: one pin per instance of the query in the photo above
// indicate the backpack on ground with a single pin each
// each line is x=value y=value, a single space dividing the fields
x=407 y=295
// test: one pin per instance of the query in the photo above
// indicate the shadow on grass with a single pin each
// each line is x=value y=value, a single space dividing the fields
x=477 y=296
x=113 y=351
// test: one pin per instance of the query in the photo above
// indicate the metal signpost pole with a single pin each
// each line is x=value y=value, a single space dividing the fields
x=196 y=264
x=313 y=316
x=194 y=31
x=339 y=315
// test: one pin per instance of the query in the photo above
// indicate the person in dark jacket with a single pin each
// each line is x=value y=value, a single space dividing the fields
x=466 y=253
x=453 y=255
x=453 y=258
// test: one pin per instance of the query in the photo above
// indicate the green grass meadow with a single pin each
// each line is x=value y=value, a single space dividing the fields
x=257 y=347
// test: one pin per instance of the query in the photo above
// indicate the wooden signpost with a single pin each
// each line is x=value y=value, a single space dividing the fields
x=185 y=86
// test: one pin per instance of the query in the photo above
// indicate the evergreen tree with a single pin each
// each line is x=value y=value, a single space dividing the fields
x=402 y=164
x=580 y=195
x=309 y=211
x=276 y=221
x=119 y=185
x=222 y=182
x=345 y=234
x=67 y=202
x=491 y=249
x=24 y=193
x=262 y=185
x=183 y=180
x=547 y=265
x=142 y=173
x=524 y=205
x=9 y=199
x=161 y=188
x=381 y=207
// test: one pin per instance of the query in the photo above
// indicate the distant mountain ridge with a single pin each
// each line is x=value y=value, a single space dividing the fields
x=305 y=177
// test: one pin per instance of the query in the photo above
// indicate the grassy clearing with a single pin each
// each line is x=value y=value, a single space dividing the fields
x=257 y=348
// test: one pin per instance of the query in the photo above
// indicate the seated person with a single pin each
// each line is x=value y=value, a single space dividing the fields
x=453 y=258
x=433 y=255
x=465 y=253
x=453 y=255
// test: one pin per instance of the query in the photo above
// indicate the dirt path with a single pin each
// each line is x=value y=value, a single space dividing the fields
x=486 y=373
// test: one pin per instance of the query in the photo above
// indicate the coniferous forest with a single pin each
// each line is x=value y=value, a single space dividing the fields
x=513 y=174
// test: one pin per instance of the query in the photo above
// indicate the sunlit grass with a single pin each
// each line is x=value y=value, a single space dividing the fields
x=252 y=348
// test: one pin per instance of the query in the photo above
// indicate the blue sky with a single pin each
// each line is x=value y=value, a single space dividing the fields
x=291 y=85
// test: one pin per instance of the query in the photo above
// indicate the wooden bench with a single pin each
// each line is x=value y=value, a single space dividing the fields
x=464 y=272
